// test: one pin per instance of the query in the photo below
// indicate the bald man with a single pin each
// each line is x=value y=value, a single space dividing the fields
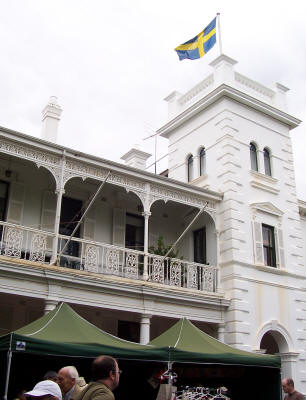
x=291 y=393
x=106 y=375
x=67 y=380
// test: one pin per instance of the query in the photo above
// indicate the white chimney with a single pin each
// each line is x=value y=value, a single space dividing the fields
x=136 y=158
x=50 y=118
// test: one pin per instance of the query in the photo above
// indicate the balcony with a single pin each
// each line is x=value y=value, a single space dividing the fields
x=25 y=243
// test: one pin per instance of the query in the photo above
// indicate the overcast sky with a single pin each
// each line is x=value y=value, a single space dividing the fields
x=111 y=63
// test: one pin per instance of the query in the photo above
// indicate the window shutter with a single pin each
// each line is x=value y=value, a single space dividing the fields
x=280 y=253
x=258 y=245
x=153 y=235
x=16 y=203
x=119 y=227
x=48 y=212
x=89 y=224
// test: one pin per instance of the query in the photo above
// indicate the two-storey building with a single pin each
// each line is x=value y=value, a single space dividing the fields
x=238 y=271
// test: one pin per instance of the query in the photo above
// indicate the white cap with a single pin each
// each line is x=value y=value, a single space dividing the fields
x=46 y=387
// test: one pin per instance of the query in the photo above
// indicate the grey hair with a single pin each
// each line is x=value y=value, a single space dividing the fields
x=73 y=372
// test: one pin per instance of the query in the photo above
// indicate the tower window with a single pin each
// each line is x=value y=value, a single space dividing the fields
x=253 y=157
x=190 y=168
x=267 y=162
x=268 y=245
x=202 y=161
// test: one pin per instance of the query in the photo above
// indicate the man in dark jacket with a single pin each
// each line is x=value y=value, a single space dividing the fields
x=105 y=374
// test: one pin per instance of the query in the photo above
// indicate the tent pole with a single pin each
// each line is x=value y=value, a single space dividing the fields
x=81 y=219
x=8 y=370
x=176 y=242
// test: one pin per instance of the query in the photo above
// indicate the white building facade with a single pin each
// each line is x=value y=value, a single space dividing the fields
x=238 y=273
x=232 y=135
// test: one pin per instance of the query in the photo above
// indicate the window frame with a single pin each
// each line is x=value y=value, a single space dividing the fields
x=197 y=257
x=6 y=197
x=202 y=161
x=190 y=168
x=253 y=156
x=269 y=248
x=267 y=162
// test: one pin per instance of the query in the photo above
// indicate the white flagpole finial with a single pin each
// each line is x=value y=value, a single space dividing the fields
x=219 y=33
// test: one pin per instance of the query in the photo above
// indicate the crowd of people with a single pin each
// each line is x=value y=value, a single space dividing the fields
x=66 y=384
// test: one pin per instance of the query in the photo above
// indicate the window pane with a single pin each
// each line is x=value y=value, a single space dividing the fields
x=190 y=168
x=202 y=162
x=269 y=245
x=199 y=237
x=253 y=156
x=267 y=162
x=3 y=199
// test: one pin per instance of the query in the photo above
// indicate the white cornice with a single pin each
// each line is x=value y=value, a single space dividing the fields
x=235 y=94
x=25 y=271
x=267 y=207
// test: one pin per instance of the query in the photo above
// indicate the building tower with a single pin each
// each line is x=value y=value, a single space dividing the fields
x=231 y=134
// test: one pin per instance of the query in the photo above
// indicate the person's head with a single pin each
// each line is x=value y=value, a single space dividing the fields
x=21 y=394
x=288 y=385
x=105 y=369
x=67 y=377
x=45 y=390
x=51 y=376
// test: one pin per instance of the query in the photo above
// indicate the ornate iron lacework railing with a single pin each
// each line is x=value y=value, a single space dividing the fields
x=181 y=273
x=35 y=245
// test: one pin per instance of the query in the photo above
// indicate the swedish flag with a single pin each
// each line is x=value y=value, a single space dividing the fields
x=199 y=45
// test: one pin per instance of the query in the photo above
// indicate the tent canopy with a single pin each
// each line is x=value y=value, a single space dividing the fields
x=187 y=343
x=64 y=332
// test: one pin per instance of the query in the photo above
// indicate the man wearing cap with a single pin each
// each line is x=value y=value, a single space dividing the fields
x=105 y=374
x=45 y=390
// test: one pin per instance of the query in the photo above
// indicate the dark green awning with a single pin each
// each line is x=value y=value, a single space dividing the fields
x=64 y=332
x=187 y=343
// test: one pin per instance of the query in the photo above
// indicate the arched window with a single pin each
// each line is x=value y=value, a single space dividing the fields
x=267 y=162
x=190 y=168
x=253 y=157
x=202 y=161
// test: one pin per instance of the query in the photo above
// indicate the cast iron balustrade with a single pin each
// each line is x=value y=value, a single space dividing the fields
x=35 y=245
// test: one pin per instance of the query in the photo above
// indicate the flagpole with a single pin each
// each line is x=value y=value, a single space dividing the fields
x=219 y=33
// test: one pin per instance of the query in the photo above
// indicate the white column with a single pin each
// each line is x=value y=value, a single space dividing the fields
x=289 y=366
x=221 y=332
x=146 y=215
x=218 y=280
x=60 y=192
x=57 y=224
x=50 y=305
x=145 y=328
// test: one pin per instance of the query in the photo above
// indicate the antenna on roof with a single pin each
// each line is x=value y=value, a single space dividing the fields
x=149 y=127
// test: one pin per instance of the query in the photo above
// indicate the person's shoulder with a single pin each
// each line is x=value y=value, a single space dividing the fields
x=299 y=396
x=99 y=390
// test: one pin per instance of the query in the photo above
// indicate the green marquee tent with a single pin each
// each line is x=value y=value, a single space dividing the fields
x=187 y=343
x=64 y=332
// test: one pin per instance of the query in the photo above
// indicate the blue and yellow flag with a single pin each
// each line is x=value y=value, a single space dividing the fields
x=199 y=45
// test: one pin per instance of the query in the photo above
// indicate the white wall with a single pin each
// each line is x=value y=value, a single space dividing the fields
x=258 y=294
